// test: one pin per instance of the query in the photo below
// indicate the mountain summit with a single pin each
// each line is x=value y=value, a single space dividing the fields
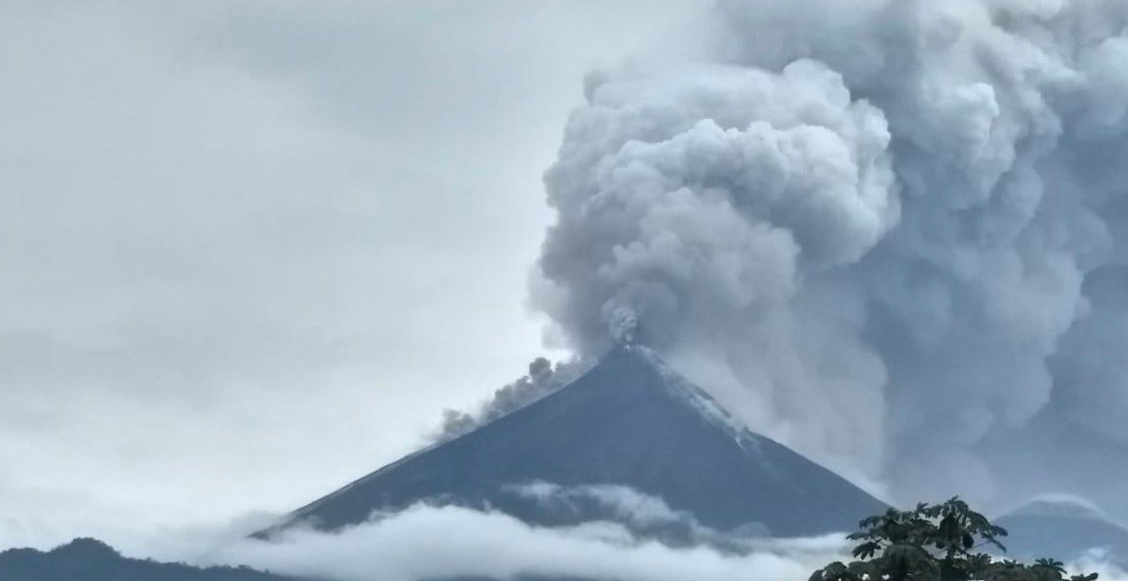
x=1063 y=528
x=629 y=423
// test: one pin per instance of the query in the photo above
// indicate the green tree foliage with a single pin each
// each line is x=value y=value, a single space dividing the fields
x=936 y=543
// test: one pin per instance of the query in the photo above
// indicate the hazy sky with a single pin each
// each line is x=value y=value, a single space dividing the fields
x=251 y=249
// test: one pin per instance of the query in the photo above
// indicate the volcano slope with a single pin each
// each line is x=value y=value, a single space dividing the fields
x=627 y=424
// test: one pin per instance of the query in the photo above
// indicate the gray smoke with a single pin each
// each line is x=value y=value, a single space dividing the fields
x=543 y=379
x=891 y=233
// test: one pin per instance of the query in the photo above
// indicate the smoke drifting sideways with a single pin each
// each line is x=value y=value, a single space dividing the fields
x=891 y=234
x=543 y=378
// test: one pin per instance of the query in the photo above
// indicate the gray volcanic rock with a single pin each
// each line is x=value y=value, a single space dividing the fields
x=628 y=422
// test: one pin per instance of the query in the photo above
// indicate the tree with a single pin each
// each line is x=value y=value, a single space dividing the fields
x=935 y=543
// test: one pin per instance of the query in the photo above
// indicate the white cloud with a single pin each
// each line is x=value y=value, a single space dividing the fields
x=425 y=542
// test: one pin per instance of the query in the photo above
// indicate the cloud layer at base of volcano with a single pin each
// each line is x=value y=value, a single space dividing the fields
x=443 y=542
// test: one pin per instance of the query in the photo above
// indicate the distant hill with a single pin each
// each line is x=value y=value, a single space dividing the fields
x=630 y=423
x=1063 y=529
x=91 y=560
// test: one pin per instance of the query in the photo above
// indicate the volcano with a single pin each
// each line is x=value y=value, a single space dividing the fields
x=629 y=423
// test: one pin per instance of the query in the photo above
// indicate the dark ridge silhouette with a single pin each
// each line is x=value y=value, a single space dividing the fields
x=628 y=421
x=92 y=560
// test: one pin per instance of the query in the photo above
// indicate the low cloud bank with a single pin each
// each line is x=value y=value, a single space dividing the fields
x=427 y=541
x=431 y=542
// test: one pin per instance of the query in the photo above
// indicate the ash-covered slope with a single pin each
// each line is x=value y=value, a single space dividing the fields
x=627 y=422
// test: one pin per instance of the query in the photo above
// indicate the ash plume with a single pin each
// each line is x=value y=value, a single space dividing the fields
x=891 y=233
x=543 y=378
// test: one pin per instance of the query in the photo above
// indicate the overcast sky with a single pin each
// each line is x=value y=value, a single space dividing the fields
x=251 y=249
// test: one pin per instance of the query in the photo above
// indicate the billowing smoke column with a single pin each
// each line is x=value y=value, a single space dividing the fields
x=893 y=234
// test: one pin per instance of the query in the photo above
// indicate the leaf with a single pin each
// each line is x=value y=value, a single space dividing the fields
x=896 y=545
